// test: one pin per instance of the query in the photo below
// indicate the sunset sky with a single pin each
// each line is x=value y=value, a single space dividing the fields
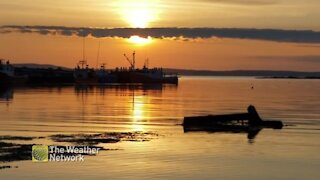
x=220 y=34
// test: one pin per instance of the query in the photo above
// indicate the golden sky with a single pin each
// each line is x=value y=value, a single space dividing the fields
x=190 y=53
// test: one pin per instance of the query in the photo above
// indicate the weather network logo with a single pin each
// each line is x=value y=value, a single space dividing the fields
x=43 y=153
x=40 y=153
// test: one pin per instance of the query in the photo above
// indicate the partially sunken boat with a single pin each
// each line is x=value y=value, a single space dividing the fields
x=249 y=122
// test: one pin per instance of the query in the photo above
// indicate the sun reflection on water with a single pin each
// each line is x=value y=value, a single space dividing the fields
x=138 y=112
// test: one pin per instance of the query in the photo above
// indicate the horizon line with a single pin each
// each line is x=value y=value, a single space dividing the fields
x=231 y=70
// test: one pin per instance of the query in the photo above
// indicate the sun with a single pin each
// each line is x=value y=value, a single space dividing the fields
x=139 y=40
x=139 y=18
x=138 y=13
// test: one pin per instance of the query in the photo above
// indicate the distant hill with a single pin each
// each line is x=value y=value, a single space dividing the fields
x=190 y=72
x=255 y=73
x=40 y=66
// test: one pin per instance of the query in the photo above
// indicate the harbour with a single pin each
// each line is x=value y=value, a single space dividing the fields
x=83 y=75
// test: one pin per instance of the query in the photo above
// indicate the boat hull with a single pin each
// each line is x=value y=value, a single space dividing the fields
x=5 y=80
x=86 y=80
x=137 y=77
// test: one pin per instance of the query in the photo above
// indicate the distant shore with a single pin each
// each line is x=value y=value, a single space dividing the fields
x=274 y=74
x=290 y=77
x=51 y=74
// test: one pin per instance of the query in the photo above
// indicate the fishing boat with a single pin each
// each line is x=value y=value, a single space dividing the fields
x=144 y=75
x=85 y=75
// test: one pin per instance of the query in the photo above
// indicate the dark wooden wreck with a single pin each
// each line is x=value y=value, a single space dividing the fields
x=238 y=122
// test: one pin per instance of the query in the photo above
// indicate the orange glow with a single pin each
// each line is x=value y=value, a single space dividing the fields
x=139 y=40
x=212 y=54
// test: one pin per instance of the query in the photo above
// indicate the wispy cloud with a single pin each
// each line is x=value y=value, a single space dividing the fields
x=278 y=35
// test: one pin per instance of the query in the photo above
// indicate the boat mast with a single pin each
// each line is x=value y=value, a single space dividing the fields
x=98 y=54
x=133 y=59
x=83 y=62
x=83 y=49
x=146 y=63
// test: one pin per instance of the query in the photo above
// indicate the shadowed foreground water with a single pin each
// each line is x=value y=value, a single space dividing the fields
x=139 y=128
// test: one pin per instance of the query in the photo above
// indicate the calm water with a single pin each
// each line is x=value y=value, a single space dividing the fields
x=290 y=153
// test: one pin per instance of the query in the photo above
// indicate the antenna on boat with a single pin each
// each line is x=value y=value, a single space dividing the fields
x=83 y=50
x=146 y=63
x=134 y=59
x=83 y=62
x=103 y=65
x=131 y=62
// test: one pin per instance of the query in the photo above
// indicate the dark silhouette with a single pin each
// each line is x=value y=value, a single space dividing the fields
x=6 y=94
x=249 y=122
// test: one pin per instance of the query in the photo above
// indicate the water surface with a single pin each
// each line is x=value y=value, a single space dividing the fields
x=290 y=153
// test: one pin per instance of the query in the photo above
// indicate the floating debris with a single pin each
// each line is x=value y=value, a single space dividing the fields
x=7 y=167
x=10 y=152
x=14 y=152
x=109 y=137
x=84 y=139
x=23 y=138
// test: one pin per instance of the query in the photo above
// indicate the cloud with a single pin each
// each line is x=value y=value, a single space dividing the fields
x=278 y=35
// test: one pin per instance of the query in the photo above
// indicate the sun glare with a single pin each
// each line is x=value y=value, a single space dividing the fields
x=139 y=13
x=139 y=40
x=138 y=112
